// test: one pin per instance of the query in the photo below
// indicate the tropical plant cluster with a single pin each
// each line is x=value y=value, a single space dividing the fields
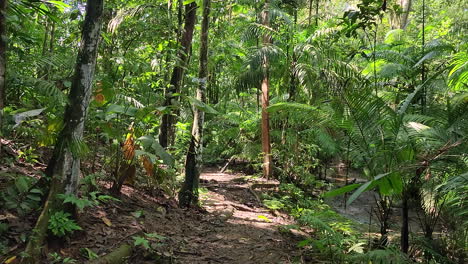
x=145 y=93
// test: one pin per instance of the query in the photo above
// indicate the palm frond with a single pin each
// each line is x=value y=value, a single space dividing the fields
x=459 y=73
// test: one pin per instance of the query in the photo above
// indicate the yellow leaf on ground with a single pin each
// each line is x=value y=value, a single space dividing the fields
x=106 y=221
x=10 y=260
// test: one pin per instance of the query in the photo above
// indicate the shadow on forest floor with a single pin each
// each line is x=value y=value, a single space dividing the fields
x=231 y=227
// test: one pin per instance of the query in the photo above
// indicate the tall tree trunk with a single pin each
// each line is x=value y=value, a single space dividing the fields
x=189 y=193
x=166 y=130
x=3 y=47
x=406 y=8
x=64 y=166
x=266 y=147
x=292 y=74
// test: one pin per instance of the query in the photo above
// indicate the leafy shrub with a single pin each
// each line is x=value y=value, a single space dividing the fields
x=95 y=198
x=149 y=241
x=21 y=196
x=55 y=258
x=60 y=224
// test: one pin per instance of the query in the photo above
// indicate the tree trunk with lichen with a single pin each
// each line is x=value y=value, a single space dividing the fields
x=166 y=131
x=189 y=193
x=64 y=166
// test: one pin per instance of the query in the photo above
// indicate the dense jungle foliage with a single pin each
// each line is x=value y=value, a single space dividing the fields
x=329 y=107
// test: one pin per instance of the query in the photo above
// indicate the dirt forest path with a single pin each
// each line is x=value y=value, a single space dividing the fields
x=235 y=228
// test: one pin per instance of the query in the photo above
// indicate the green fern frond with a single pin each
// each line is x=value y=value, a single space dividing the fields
x=256 y=31
x=382 y=256
x=48 y=89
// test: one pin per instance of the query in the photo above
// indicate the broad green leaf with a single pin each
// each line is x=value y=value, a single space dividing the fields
x=201 y=106
x=141 y=241
x=366 y=186
x=341 y=190
x=149 y=143
x=290 y=107
x=60 y=5
x=22 y=184
x=19 y=118
x=34 y=197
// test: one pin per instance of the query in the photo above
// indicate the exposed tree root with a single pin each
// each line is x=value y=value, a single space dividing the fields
x=117 y=256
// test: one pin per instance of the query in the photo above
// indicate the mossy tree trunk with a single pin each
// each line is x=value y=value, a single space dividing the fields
x=64 y=166
x=189 y=193
x=166 y=131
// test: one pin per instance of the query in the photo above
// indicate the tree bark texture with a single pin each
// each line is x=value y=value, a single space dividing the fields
x=266 y=147
x=166 y=131
x=3 y=47
x=64 y=166
x=189 y=192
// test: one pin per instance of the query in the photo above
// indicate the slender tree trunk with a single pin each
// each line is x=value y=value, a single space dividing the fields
x=50 y=49
x=423 y=66
x=266 y=147
x=293 y=77
x=405 y=223
x=3 y=47
x=317 y=12
x=406 y=7
x=41 y=69
x=166 y=130
x=64 y=166
x=189 y=193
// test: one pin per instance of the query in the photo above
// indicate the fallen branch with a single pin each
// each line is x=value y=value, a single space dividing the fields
x=227 y=164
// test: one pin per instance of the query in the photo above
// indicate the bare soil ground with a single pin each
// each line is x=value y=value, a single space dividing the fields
x=230 y=227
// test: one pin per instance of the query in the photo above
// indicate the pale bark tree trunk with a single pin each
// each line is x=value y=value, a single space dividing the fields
x=3 y=47
x=406 y=6
x=166 y=130
x=266 y=147
x=64 y=166
x=189 y=193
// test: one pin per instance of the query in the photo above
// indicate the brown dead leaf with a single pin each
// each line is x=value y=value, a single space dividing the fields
x=148 y=165
x=128 y=148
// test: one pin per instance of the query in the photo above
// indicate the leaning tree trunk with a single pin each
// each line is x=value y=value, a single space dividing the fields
x=266 y=147
x=189 y=193
x=166 y=131
x=3 y=46
x=64 y=166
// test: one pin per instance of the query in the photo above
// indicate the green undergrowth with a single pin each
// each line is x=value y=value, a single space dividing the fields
x=334 y=238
